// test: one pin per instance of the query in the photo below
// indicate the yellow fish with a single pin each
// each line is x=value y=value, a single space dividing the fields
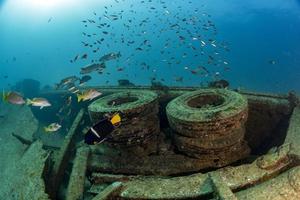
x=13 y=98
x=88 y=95
x=53 y=127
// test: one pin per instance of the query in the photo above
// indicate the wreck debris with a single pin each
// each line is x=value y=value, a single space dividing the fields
x=222 y=191
x=15 y=184
x=230 y=181
x=293 y=133
x=61 y=162
x=76 y=183
x=109 y=191
x=285 y=186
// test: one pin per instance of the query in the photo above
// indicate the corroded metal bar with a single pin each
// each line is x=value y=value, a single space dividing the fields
x=76 y=182
x=109 y=191
x=221 y=189
x=61 y=162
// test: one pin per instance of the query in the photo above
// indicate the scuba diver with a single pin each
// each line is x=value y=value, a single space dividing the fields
x=101 y=131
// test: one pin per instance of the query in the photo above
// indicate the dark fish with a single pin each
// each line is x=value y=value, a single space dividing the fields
x=92 y=67
x=66 y=82
x=76 y=57
x=49 y=20
x=110 y=56
x=84 y=79
x=84 y=56
x=102 y=131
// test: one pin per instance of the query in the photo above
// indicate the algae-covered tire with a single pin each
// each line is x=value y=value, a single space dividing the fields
x=131 y=104
x=208 y=113
x=204 y=143
x=138 y=110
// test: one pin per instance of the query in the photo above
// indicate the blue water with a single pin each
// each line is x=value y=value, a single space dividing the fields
x=38 y=38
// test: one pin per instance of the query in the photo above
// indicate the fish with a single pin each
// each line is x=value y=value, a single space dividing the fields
x=102 y=130
x=92 y=67
x=110 y=56
x=69 y=79
x=84 y=56
x=53 y=127
x=38 y=102
x=84 y=79
x=66 y=82
x=13 y=98
x=76 y=57
x=88 y=95
x=272 y=62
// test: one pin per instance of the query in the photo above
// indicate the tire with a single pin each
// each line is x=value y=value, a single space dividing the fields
x=207 y=143
x=139 y=109
x=209 y=123
x=229 y=113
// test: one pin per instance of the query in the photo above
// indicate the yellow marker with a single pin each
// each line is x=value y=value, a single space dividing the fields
x=115 y=119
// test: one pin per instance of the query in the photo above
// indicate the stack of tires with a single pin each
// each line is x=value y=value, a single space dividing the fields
x=139 y=113
x=208 y=124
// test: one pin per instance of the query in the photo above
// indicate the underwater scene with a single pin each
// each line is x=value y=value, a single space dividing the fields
x=149 y=99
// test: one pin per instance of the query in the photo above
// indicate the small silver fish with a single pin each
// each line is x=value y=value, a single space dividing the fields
x=39 y=102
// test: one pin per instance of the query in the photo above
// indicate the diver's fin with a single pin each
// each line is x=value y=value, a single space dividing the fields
x=115 y=119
